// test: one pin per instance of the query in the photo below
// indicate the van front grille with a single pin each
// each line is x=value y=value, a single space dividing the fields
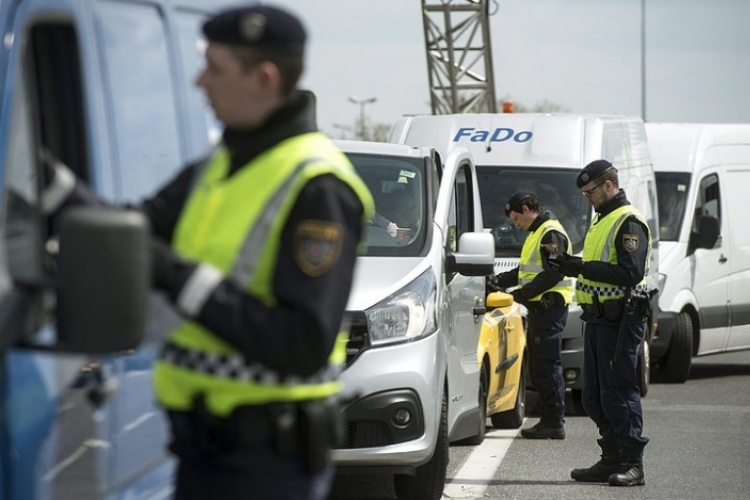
x=367 y=434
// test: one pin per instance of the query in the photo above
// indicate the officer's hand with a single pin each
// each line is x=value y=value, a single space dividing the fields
x=392 y=229
x=59 y=183
x=493 y=283
x=169 y=272
x=567 y=264
x=517 y=297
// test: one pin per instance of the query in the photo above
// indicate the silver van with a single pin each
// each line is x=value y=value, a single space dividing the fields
x=412 y=379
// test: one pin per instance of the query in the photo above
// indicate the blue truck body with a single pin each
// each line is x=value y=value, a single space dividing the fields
x=107 y=86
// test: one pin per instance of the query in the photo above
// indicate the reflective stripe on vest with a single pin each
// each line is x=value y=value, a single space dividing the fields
x=600 y=245
x=194 y=361
x=531 y=261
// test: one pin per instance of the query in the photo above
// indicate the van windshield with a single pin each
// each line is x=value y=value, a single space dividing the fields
x=398 y=188
x=672 y=189
x=556 y=190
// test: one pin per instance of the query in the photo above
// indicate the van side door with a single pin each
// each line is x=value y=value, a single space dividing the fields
x=710 y=276
x=736 y=172
x=463 y=295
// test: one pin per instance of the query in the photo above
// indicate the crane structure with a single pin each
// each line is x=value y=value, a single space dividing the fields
x=459 y=56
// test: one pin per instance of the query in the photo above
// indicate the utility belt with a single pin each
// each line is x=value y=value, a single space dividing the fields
x=548 y=300
x=611 y=311
x=305 y=429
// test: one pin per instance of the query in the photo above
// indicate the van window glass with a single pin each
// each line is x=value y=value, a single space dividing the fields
x=708 y=202
x=399 y=188
x=464 y=220
x=672 y=189
x=140 y=97
x=57 y=81
x=451 y=239
x=556 y=190
x=205 y=129
x=22 y=232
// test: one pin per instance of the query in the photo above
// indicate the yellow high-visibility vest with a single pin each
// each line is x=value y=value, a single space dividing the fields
x=531 y=260
x=600 y=245
x=234 y=224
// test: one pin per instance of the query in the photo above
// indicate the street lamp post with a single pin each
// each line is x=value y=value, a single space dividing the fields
x=362 y=102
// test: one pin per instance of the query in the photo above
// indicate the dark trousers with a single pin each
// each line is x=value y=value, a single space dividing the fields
x=544 y=340
x=610 y=393
x=248 y=473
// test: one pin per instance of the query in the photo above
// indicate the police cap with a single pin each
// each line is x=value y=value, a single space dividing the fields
x=592 y=171
x=256 y=26
x=515 y=202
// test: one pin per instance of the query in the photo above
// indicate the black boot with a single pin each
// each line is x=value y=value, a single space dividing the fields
x=600 y=472
x=631 y=473
x=544 y=431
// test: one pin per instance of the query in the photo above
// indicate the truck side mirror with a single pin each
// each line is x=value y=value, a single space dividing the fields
x=708 y=231
x=104 y=279
x=475 y=256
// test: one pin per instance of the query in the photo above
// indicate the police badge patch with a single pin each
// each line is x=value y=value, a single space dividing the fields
x=630 y=242
x=317 y=246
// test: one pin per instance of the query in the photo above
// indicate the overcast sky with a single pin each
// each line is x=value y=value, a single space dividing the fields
x=584 y=55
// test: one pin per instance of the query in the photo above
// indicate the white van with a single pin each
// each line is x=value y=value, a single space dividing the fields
x=543 y=154
x=412 y=379
x=702 y=173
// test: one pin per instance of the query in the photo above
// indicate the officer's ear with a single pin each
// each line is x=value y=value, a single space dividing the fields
x=270 y=77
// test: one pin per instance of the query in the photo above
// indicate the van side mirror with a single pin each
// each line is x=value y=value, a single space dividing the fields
x=708 y=231
x=475 y=256
x=104 y=279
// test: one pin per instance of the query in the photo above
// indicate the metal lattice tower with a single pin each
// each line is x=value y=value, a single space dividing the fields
x=459 y=56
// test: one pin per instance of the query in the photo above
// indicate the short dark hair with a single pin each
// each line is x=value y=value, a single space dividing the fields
x=610 y=175
x=290 y=63
x=520 y=200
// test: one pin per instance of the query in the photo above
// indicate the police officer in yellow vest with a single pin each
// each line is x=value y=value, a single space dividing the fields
x=611 y=289
x=255 y=248
x=546 y=293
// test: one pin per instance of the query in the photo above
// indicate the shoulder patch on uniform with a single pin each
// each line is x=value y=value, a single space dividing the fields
x=550 y=247
x=317 y=246
x=630 y=242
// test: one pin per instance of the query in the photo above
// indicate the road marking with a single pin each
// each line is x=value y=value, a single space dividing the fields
x=471 y=480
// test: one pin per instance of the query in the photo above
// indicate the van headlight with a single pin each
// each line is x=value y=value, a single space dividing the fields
x=405 y=315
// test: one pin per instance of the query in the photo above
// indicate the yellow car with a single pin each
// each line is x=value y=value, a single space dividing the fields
x=502 y=343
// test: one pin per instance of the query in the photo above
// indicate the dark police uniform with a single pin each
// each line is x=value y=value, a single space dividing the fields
x=262 y=241
x=610 y=393
x=546 y=296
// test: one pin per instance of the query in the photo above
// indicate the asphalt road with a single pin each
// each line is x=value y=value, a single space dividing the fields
x=699 y=449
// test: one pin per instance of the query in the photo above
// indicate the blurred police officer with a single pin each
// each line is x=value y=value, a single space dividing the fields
x=255 y=247
x=546 y=293
x=611 y=289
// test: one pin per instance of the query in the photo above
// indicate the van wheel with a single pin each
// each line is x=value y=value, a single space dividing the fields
x=478 y=438
x=674 y=367
x=513 y=419
x=643 y=370
x=428 y=480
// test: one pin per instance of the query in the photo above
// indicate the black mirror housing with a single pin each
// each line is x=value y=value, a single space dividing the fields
x=104 y=279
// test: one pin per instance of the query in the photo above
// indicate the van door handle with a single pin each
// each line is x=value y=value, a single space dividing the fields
x=479 y=310
x=722 y=259
x=99 y=385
